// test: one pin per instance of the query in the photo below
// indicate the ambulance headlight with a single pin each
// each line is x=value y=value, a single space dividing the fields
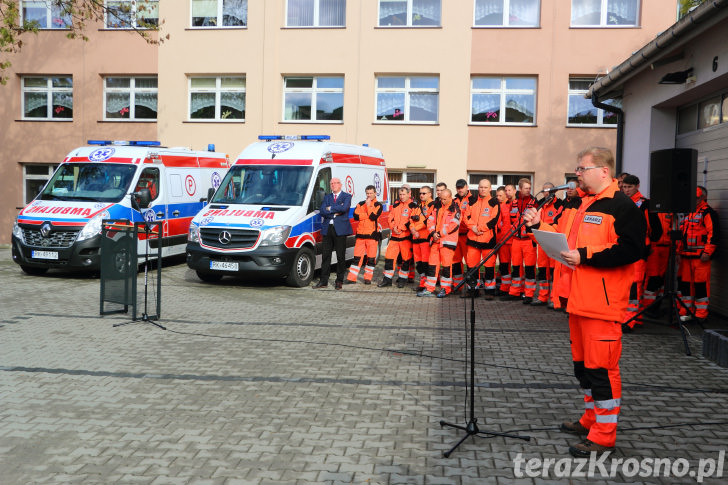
x=194 y=234
x=274 y=236
x=18 y=232
x=92 y=227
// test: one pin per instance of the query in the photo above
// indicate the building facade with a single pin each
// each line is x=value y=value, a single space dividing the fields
x=446 y=89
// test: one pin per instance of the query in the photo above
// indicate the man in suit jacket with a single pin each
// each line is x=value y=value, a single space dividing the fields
x=334 y=229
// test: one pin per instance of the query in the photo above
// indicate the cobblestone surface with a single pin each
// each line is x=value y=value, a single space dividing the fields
x=253 y=382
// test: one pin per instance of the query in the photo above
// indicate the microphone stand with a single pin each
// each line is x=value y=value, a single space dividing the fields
x=471 y=277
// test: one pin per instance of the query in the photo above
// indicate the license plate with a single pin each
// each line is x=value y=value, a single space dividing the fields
x=45 y=254
x=223 y=266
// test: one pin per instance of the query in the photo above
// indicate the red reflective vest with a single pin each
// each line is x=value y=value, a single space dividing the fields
x=445 y=221
x=483 y=215
x=367 y=214
x=697 y=232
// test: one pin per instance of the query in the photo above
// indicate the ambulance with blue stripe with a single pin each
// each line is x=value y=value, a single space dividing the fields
x=264 y=218
x=61 y=227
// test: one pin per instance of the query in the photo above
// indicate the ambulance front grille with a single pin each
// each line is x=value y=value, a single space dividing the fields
x=238 y=238
x=56 y=239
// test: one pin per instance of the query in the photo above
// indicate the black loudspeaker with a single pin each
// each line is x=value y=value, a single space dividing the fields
x=673 y=179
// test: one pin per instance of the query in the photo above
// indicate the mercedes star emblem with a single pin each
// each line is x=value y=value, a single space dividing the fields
x=224 y=237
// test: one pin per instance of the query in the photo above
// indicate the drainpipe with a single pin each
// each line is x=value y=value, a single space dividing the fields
x=620 y=130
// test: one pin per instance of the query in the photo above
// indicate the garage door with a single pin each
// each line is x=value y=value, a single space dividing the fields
x=712 y=146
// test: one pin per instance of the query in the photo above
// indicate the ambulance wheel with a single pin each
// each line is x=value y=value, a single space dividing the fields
x=302 y=268
x=209 y=277
x=34 y=270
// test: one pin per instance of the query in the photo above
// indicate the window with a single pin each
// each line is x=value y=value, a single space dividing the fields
x=605 y=13
x=130 y=98
x=507 y=13
x=313 y=99
x=410 y=13
x=709 y=112
x=581 y=110
x=415 y=180
x=132 y=14
x=316 y=13
x=47 y=98
x=217 y=98
x=496 y=179
x=503 y=100
x=219 y=13
x=411 y=99
x=149 y=179
x=35 y=177
x=46 y=14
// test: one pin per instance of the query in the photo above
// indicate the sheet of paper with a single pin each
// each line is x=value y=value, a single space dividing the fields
x=553 y=243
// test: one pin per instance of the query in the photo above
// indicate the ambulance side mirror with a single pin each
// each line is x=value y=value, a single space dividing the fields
x=210 y=193
x=141 y=199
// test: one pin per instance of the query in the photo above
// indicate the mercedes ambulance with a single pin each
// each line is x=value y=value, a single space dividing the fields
x=264 y=218
x=61 y=227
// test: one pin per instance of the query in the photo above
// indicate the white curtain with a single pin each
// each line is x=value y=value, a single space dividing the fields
x=485 y=103
x=624 y=10
x=300 y=13
x=235 y=9
x=425 y=102
x=524 y=12
x=427 y=8
x=201 y=100
x=388 y=102
x=332 y=12
x=397 y=8
x=484 y=8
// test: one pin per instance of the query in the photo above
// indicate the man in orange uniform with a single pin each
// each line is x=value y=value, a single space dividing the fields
x=699 y=241
x=560 y=292
x=545 y=274
x=606 y=234
x=367 y=212
x=443 y=224
x=400 y=242
x=631 y=188
x=506 y=198
x=482 y=218
x=420 y=235
x=464 y=200
x=523 y=250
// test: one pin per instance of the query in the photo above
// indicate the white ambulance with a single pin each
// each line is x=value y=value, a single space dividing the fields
x=61 y=227
x=264 y=218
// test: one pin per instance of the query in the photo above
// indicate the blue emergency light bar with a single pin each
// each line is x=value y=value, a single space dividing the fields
x=131 y=143
x=293 y=137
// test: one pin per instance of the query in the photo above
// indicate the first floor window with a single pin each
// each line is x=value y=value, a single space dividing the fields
x=130 y=98
x=313 y=98
x=46 y=14
x=415 y=179
x=496 y=179
x=315 y=13
x=47 y=98
x=581 y=110
x=219 y=13
x=35 y=176
x=217 y=98
x=132 y=14
x=410 y=13
x=507 y=13
x=605 y=13
x=503 y=100
x=408 y=99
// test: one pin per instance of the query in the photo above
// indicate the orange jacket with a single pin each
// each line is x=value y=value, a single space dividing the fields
x=666 y=223
x=367 y=215
x=608 y=230
x=445 y=221
x=505 y=224
x=483 y=215
x=654 y=228
x=551 y=209
x=419 y=221
x=698 y=235
x=520 y=205
x=464 y=203
x=399 y=218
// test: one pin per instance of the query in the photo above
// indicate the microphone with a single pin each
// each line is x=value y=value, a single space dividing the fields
x=570 y=185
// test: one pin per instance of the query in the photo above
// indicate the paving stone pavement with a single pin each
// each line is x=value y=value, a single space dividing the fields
x=255 y=382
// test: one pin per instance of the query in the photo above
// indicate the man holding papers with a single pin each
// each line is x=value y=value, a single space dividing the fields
x=605 y=235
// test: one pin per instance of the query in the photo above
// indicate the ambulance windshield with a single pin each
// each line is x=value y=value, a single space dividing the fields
x=264 y=184
x=103 y=182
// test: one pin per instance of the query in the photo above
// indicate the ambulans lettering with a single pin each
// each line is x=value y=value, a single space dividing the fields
x=593 y=219
x=73 y=211
x=239 y=213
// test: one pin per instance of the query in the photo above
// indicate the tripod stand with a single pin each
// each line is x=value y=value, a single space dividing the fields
x=471 y=428
x=670 y=292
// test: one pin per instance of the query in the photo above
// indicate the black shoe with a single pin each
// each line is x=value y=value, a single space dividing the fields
x=349 y=282
x=384 y=282
x=367 y=282
x=410 y=280
x=586 y=448
x=509 y=297
x=527 y=300
x=320 y=284
x=574 y=428
x=338 y=285
x=401 y=282
x=469 y=294
x=538 y=302
x=418 y=288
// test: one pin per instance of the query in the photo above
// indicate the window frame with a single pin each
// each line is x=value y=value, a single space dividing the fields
x=49 y=89
x=407 y=90
x=600 y=112
x=314 y=90
x=220 y=18
x=51 y=168
x=132 y=14
x=395 y=185
x=132 y=90
x=603 y=13
x=499 y=177
x=49 y=16
x=507 y=25
x=408 y=13
x=503 y=92
x=316 y=18
x=218 y=90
